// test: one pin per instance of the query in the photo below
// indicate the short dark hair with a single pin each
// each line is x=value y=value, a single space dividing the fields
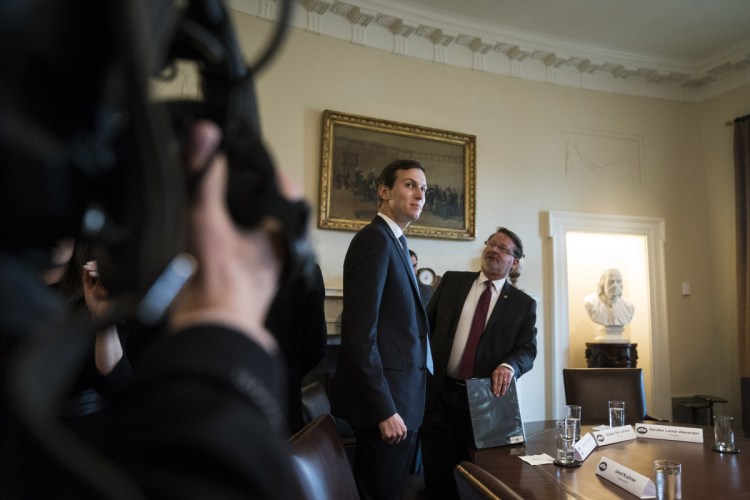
x=518 y=252
x=388 y=175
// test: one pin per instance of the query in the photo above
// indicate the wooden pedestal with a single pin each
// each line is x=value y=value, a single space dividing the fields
x=620 y=355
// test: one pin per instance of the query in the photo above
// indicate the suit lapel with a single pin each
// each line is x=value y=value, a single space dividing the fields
x=406 y=261
x=500 y=305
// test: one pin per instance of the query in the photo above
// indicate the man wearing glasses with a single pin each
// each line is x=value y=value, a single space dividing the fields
x=482 y=327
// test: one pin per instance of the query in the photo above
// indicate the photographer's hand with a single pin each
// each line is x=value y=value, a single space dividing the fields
x=238 y=270
x=96 y=296
x=107 y=347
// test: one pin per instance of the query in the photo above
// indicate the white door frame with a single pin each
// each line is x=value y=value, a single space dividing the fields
x=557 y=226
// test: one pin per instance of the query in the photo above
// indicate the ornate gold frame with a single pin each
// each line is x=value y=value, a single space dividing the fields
x=355 y=148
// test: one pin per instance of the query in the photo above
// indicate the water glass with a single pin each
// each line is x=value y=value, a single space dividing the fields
x=723 y=433
x=668 y=480
x=616 y=413
x=573 y=412
x=566 y=437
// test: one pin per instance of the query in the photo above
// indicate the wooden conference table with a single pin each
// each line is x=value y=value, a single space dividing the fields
x=705 y=473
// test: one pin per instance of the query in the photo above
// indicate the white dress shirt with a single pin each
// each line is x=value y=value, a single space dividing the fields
x=467 y=316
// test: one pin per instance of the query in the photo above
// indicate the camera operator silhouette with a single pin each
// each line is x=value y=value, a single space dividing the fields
x=193 y=229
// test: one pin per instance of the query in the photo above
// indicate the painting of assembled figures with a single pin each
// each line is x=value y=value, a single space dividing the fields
x=354 y=151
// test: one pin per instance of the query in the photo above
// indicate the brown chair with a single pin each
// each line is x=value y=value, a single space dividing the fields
x=592 y=388
x=320 y=462
x=475 y=483
x=315 y=402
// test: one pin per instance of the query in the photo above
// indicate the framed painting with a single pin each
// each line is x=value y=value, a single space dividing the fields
x=356 y=148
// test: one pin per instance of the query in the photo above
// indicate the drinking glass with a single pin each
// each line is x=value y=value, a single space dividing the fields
x=723 y=433
x=668 y=480
x=616 y=413
x=573 y=412
x=566 y=436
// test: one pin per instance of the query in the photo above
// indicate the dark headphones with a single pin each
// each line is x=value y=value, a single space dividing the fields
x=93 y=156
x=204 y=35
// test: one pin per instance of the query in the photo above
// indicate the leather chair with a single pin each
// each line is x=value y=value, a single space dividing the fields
x=315 y=402
x=592 y=388
x=320 y=462
x=475 y=483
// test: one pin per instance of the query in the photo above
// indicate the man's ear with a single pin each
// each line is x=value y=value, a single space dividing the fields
x=383 y=192
x=515 y=264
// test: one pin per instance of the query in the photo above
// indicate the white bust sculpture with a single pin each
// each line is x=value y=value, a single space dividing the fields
x=608 y=308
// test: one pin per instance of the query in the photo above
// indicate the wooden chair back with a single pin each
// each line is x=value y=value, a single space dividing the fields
x=475 y=483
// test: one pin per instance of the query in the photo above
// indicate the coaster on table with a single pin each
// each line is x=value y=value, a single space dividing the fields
x=574 y=463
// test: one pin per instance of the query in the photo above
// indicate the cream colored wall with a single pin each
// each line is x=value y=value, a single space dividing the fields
x=522 y=128
x=716 y=147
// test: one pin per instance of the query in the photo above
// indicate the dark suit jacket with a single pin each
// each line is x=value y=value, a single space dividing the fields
x=298 y=322
x=203 y=419
x=200 y=418
x=510 y=335
x=381 y=366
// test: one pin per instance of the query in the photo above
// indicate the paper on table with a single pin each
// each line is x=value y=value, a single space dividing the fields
x=627 y=479
x=537 y=459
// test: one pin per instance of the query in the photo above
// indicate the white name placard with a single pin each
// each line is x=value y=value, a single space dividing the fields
x=584 y=447
x=614 y=435
x=669 y=432
x=627 y=479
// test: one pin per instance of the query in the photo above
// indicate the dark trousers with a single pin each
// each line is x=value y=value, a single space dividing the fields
x=380 y=468
x=446 y=437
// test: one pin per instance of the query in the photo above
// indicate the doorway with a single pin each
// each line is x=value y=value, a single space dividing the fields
x=581 y=247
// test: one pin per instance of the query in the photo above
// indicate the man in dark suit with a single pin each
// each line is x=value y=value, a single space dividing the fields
x=501 y=345
x=381 y=375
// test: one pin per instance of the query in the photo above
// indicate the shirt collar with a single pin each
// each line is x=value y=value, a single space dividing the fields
x=397 y=231
x=499 y=284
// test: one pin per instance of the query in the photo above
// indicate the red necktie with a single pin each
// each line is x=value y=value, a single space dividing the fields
x=466 y=370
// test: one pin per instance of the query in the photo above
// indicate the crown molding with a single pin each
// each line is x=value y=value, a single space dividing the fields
x=410 y=32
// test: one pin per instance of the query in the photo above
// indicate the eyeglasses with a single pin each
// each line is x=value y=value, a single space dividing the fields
x=500 y=248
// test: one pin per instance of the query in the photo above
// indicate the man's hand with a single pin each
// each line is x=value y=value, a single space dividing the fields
x=97 y=297
x=501 y=380
x=107 y=347
x=393 y=430
x=238 y=269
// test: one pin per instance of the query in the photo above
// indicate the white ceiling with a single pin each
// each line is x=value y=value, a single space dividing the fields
x=685 y=31
x=685 y=50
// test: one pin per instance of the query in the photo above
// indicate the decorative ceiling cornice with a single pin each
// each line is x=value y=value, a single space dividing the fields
x=427 y=35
